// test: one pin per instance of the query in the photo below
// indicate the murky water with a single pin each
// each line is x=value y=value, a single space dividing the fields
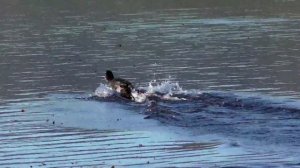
x=232 y=96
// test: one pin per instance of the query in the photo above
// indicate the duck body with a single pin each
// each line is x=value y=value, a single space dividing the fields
x=120 y=85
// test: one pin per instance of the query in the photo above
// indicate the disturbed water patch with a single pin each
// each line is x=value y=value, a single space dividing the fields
x=77 y=130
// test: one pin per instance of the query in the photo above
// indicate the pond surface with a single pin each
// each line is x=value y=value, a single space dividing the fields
x=221 y=83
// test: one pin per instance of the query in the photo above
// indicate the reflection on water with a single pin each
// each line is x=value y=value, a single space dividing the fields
x=65 y=47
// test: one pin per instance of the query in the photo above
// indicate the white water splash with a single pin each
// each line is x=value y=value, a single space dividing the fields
x=103 y=91
x=139 y=97
x=166 y=88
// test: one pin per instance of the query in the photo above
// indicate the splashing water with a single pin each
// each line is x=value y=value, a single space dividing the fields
x=103 y=91
x=166 y=87
x=164 y=90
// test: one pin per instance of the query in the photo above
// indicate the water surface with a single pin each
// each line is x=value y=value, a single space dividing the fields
x=236 y=66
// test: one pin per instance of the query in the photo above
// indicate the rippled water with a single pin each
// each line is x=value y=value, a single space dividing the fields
x=231 y=96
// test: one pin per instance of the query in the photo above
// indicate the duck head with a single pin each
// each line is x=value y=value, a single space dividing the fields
x=109 y=75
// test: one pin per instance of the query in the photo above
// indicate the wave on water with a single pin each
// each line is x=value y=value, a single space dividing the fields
x=246 y=115
x=171 y=92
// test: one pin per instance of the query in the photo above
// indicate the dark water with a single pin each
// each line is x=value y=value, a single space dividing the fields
x=235 y=103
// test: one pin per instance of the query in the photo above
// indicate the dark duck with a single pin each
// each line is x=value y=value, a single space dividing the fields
x=120 y=85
